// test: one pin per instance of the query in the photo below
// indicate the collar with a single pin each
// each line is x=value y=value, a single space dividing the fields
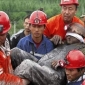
x=80 y=79
x=31 y=40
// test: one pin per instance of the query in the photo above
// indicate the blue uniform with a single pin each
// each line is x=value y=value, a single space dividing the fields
x=78 y=82
x=28 y=45
x=75 y=83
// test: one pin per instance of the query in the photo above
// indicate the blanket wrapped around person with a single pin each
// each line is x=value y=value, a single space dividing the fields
x=41 y=72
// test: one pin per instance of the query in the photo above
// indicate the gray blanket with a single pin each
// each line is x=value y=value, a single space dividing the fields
x=41 y=73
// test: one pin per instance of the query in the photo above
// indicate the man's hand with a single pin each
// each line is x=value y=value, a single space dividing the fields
x=25 y=81
x=55 y=64
x=56 y=39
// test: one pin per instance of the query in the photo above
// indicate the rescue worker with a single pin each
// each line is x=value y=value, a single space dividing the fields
x=36 y=43
x=55 y=25
x=74 y=64
x=6 y=72
x=22 y=33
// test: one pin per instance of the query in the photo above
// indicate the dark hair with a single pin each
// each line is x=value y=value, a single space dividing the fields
x=41 y=9
x=76 y=6
x=79 y=27
x=28 y=16
x=80 y=69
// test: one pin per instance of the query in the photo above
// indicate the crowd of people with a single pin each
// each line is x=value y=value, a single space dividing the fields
x=58 y=41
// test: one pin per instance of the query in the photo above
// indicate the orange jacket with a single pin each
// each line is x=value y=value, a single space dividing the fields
x=55 y=26
x=6 y=76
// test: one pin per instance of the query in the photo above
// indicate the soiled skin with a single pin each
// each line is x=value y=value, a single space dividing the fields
x=76 y=28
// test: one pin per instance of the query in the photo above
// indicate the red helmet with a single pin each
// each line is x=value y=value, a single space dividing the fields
x=75 y=59
x=4 y=22
x=67 y=2
x=38 y=17
x=83 y=83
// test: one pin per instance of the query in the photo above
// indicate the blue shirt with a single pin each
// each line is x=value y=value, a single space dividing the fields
x=28 y=45
x=75 y=83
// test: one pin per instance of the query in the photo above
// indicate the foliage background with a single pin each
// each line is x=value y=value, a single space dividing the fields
x=18 y=9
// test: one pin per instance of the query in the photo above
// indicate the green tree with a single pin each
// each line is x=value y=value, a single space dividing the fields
x=18 y=9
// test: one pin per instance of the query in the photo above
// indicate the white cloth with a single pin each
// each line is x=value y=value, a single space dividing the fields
x=79 y=37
